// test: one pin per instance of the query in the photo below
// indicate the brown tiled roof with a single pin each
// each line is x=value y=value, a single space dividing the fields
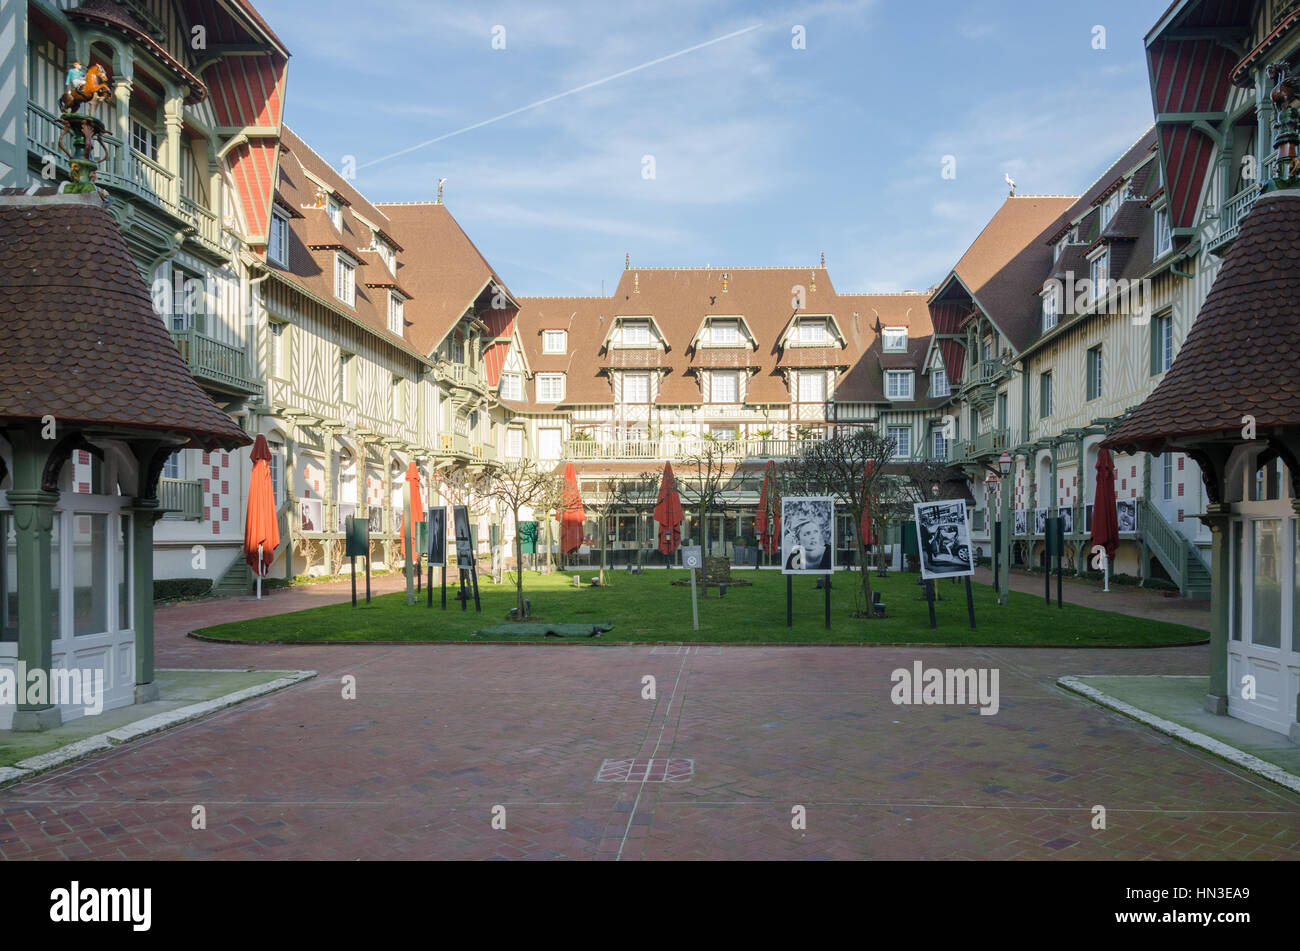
x=313 y=238
x=586 y=320
x=1239 y=356
x=81 y=341
x=443 y=269
x=814 y=357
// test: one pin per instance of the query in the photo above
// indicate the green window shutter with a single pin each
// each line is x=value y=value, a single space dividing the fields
x=1156 y=345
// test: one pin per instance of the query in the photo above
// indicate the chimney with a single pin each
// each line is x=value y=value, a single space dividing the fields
x=627 y=261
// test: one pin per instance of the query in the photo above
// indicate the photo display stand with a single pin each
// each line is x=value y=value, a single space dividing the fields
x=943 y=540
x=465 y=560
x=357 y=543
x=807 y=546
x=435 y=527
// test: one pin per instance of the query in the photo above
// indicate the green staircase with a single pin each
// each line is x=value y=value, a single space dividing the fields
x=1179 y=556
x=237 y=580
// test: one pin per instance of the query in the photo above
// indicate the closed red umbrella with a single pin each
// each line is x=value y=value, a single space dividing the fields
x=417 y=508
x=668 y=512
x=1105 y=520
x=261 y=526
x=571 y=515
x=868 y=536
x=769 y=509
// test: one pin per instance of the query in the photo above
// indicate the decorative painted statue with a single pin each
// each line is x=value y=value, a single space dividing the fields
x=84 y=86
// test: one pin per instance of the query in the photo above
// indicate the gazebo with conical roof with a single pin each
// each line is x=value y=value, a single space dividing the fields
x=1231 y=401
x=90 y=374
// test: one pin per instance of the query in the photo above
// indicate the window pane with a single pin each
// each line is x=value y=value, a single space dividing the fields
x=124 y=575
x=1237 y=568
x=723 y=331
x=1266 y=625
x=724 y=387
x=8 y=579
x=90 y=574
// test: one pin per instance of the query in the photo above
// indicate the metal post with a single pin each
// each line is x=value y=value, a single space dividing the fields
x=354 y=580
x=695 y=608
x=827 y=588
x=1060 y=557
x=970 y=603
x=789 y=600
x=929 y=598
x=997 y=547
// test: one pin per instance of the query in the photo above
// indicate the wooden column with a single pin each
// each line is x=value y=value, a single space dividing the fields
x=33 y=517
x=1218 y=517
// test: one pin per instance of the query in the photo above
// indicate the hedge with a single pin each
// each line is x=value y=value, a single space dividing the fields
x=171 y=589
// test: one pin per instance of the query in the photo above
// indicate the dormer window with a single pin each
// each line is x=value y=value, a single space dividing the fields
x=555 y=341
x=396 y=312
x=636 y=333
x=723 y=386
x=550 y=387
x=1049 y=308
x=812 y=332
x=387 y=253
x=512 y=388
x=335 y=210
x=1164 y=238
x=1110 y=207
x=1099 y=273
x=939 y=385
x=895 y=339
x=898 y=384
x=277 y=247
x=724 y=333
x=345 y=278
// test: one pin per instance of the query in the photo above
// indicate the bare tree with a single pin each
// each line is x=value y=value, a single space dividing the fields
x=615 y=495
x=710 y=472
x=517 y=485
x=849 y=466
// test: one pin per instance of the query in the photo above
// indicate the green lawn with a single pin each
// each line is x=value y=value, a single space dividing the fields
x=647 y=608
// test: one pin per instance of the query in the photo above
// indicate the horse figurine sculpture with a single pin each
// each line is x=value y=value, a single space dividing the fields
x=95 y=87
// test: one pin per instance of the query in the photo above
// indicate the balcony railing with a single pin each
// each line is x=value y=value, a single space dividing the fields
x=1230 y=216
x=675 y=447
x=984 y=373
x=215 y=363
x=181 y=498
x=123 y=169
x=989 y=443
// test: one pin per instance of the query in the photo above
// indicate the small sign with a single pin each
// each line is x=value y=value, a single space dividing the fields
x=807 y=535
x=356 y=537
x=692 y=556
x=944 y=539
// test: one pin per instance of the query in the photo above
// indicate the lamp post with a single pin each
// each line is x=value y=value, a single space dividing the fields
x=1004 y=550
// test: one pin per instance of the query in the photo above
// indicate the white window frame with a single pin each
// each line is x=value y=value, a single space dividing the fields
x=940 y=446
x=277 y=246
x=1099 y=274
x=813 y=332
x=541 y=442
x=1164 y=233
x=514 y=446
x=334 y=208
x=902 y=447
x=811 y=376
x=729 y=339
x=1095 y=370
x=396 y=312
x=639 y=378
x=555 y=341
x=899 y=392
x=1165 y=322
x=143 y=135
x=889 y=334
x=1167 y=477
x=345 y=278
x=1110 y=208
x=545 y=383
x=1050 y=315
x=715 y=376
x=939 y=383
x=512 y=386
x=639 y=325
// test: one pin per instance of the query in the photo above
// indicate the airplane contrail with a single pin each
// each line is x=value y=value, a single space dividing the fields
x=561 y=95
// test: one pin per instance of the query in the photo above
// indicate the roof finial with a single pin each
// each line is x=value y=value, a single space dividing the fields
x=823 y=260
x=812 y=282
x=636 y=282
x=725 y=279
x=627 y=261
x=441 y=182
x=1011 y=183
x=1286 y=128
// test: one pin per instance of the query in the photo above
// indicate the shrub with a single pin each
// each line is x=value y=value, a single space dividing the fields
x=1160 y=584
x=171 y=589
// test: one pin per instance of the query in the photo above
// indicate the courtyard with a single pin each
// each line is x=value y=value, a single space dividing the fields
x=439 y=735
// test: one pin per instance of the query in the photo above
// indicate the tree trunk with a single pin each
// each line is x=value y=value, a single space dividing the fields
x=864 y=571
x=519 y=568
x=604 y=544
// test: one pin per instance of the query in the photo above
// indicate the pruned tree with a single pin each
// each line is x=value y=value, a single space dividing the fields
x=849 y=466
x=616 y=495
x=517 y=485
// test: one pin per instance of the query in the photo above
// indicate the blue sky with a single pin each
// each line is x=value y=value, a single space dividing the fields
x=764 y=155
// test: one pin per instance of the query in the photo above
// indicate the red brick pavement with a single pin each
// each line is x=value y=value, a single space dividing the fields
x=438 y=735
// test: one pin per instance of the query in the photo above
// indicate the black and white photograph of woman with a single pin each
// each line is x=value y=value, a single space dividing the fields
x=807 y=526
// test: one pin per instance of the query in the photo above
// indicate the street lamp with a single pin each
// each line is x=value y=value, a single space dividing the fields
x=1004 y=463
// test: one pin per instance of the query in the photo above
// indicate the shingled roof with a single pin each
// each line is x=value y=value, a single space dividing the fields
x=81 y=341
x=445 y=271
x=1239 y=356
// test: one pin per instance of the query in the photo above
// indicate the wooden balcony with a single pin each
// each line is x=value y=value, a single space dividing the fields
x=181 y=498
x=1230 y=217
x=216 y=365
